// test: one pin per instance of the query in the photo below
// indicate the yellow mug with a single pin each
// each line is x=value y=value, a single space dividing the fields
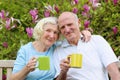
x=75 y=60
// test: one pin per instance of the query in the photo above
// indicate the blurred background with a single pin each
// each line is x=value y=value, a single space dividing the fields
x=18 y=18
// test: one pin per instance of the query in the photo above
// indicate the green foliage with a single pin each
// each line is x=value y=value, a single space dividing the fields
x=102 y=20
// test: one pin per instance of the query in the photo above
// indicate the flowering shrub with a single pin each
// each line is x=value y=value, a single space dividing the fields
x=17 y=19
x=12 y=35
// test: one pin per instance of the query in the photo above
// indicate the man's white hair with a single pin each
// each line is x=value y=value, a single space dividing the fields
x=77 y=19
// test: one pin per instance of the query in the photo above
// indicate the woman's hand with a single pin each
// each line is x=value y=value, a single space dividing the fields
x=31 y=65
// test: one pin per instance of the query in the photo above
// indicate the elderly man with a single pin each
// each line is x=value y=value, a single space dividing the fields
x=98 y=57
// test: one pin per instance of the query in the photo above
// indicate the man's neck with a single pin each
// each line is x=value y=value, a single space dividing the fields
x=74 y=41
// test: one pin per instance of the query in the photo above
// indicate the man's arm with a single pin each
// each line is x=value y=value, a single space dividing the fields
x=62 y=76
x=113 y=71
x=86 y=34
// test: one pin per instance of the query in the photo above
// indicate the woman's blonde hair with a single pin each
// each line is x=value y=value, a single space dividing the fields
x=38 y=29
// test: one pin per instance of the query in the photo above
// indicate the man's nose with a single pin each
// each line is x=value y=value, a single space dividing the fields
x=66 y=29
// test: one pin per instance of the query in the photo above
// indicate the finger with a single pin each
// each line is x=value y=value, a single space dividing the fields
x=68 y=58
x=31 y=67
x=65 y=61
x=83 y=38
x=88 y=38
x=65 y=65
x=33 y=58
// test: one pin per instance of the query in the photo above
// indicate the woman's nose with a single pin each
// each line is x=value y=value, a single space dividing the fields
x=52 y=34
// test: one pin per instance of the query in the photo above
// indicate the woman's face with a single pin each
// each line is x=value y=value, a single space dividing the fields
x=50 y=34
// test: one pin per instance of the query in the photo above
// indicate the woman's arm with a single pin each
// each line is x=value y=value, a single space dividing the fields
x=20 y=75
x=24 y=72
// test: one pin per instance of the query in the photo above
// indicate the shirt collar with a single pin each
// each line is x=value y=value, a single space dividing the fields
x=66 y=44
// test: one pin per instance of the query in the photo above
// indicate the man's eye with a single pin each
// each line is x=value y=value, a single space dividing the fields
x=62 y=27
x=69 y=24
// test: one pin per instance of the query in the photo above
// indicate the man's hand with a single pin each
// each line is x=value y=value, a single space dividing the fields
x=64 y=65
x=86 y=35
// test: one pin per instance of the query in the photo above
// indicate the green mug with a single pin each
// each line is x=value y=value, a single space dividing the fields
x=43 y=63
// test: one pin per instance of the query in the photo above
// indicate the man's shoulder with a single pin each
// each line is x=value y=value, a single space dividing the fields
x=96 y=37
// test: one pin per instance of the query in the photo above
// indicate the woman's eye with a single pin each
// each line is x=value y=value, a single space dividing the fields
x=55 y=32
x=48 y=30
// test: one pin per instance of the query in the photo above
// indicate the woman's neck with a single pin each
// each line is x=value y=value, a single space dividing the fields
x=39 y=46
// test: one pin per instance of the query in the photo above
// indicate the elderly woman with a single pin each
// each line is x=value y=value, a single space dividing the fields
x=45 y=34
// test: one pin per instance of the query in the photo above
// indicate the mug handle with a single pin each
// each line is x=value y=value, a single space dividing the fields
x=69 y=56
x=37 y=64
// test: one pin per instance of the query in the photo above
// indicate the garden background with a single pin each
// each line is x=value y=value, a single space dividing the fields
x=18 y=17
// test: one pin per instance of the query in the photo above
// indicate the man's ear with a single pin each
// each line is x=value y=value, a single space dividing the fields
x=79 y=22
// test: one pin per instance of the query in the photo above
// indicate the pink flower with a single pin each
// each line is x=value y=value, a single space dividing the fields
x=76 y=1
x=2 y=14
x=49 y=7
x=84 y=14
x=29 y=32
x=115 y=2
x=56 y=9
x=5 y=44
x=34 y=14
x=86 y=23
x=46 y=13
x=4 y=77
x=115 y=30
x=75 y=10
x=86 y=8
x=95 y=3
x=8 y=21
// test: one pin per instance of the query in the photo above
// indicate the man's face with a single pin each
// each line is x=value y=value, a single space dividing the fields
x=69 y=27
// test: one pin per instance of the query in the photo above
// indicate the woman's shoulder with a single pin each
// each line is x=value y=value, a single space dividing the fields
x=26 y=45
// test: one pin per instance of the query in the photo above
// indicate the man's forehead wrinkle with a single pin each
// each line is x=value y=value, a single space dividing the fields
x=65 y=15
x=62 y=20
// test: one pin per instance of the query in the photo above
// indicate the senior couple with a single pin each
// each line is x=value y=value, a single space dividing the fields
x=99 y=59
